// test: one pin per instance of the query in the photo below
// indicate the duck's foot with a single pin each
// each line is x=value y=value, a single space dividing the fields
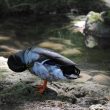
x=41 y=88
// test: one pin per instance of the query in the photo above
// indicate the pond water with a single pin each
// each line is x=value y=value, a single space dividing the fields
x=54 y=32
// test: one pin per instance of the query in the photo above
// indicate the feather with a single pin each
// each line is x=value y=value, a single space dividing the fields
x=54 y=56
x=49 y=62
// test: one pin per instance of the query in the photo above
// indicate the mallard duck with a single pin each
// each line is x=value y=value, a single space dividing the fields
x=44 y=63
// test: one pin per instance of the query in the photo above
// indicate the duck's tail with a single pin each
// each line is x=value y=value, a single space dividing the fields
x=70 y=72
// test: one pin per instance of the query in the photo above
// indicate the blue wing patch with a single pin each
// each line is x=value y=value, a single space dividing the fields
x=48 y=72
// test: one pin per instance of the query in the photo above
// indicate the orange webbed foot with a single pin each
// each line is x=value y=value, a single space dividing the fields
x=41 y=88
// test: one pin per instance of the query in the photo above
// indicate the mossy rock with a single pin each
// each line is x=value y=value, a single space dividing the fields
x=97 y=29
x=94 y=17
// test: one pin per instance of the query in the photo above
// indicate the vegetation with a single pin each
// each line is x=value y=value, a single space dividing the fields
x=94 y=17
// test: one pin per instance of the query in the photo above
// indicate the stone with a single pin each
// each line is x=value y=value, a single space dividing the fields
x=3 y=63
x=102 y=79
x=83 y=78
x=52 y=45
x=93 y=89
x=97 y=107
x=97 y=30
x=91 y=42
x=71 y=52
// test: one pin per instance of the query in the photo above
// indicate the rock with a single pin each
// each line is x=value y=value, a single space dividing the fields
x=52 y=45
x=87 y=101
x=80 y=94
x=83 y=78
x=3 y=63
x=93 y=89
x=108 y=105
x=102 y=79
x=93 y=17
x=71 y=52
x=11 y=77
x=90 y=41
x=97 y=107
x=97 y=30
x=73 y=100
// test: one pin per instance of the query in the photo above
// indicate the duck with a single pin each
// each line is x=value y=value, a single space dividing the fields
x=44 y=63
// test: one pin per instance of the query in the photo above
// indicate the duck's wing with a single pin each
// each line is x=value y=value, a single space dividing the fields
x=59 y=59
x=67 y=67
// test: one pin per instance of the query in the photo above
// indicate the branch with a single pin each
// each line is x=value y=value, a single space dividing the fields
x=15 y=6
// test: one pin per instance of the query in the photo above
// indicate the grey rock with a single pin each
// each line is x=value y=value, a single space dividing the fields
x=96 y=31
x=102 y=79
x=97 y=107
x=83 y=77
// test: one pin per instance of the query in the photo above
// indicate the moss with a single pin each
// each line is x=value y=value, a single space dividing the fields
x=94 y=17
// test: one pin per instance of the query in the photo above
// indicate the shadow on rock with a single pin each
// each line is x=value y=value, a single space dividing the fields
x=22 y=93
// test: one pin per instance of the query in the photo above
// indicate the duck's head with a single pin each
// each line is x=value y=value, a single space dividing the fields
x=15 y=64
